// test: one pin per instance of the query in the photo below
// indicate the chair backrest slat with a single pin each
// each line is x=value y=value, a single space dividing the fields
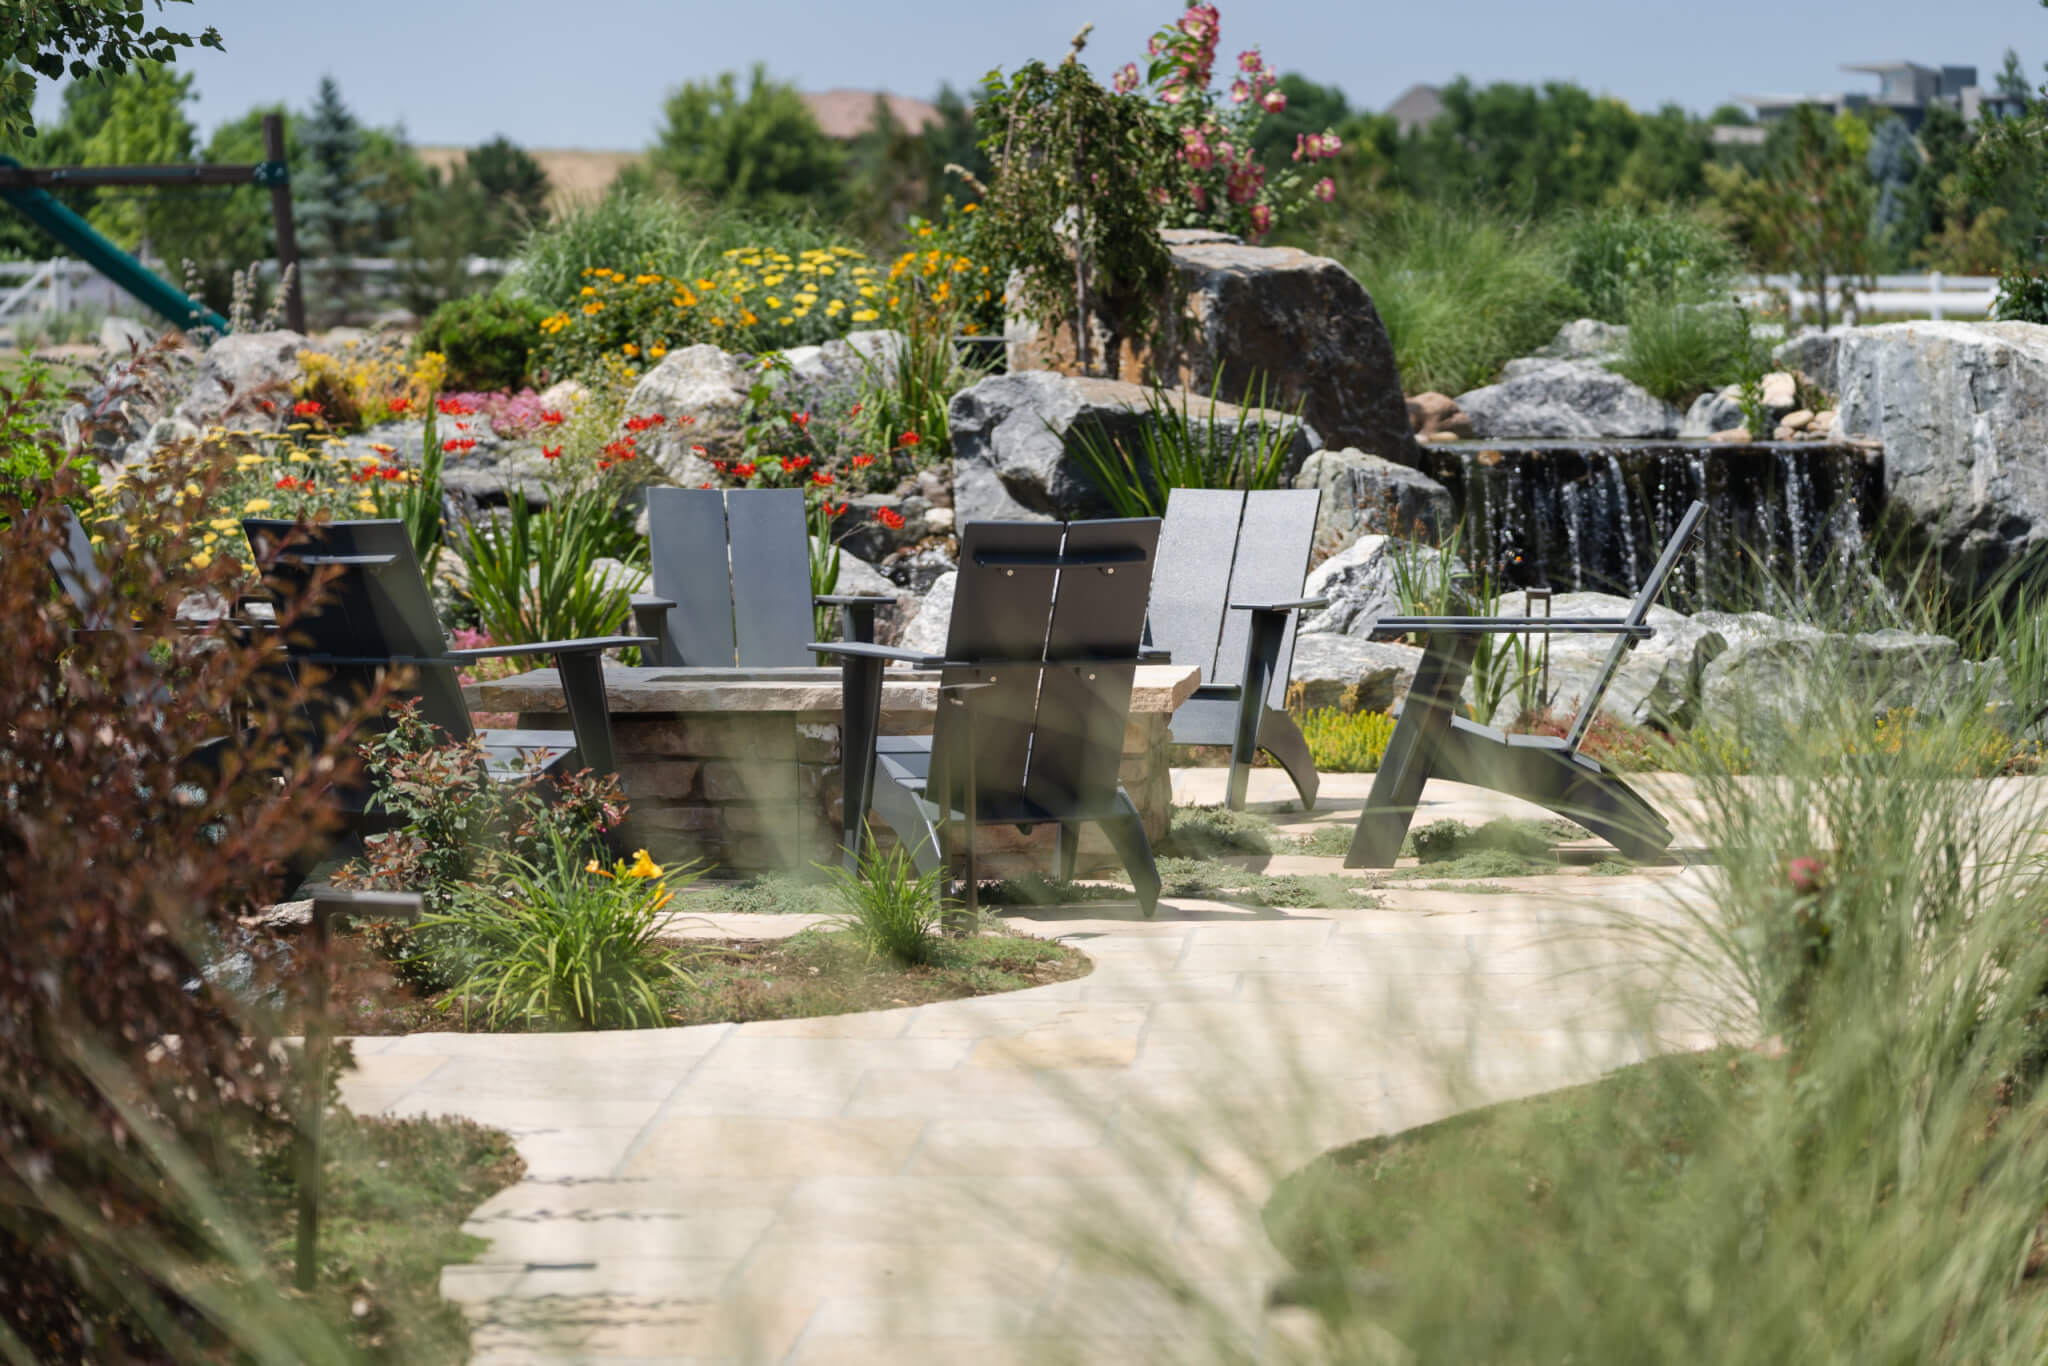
x=1191 y=578
x=736 y=563
x=78 y=570
x=371 y=610
x=1638 y=612
x=1271 y=564
x=1097 y=614
x=771 y=577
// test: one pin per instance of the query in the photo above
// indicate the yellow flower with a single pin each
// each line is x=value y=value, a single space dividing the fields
x=828 y=270
x=864 y=315
x=833 y=307
x=789 y=322
x=209 y=538
x=657 y=351
x=255 y=505
x=643 y=866
x=686 y=300
x=969 y=208
x=589 y=291
x=747 y=318
x=868 y=291
x=194 y=491
x=773 y=302
x=595 y=867
x=223 y=524
x=366 y=505
x=631 y=349
x=646 y=279
x=201 y=559
x=706 y=284
x=592 y=310
x=774 y=279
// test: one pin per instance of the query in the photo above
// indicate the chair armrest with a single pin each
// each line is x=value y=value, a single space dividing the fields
x=853 y=600
x=1154 y=656
x=645 y=600
x=863 y=650
x=553 y=647
x=1292 y=605
x=1516 y=626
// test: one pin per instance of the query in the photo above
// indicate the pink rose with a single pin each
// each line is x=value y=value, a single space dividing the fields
x=1325 y=189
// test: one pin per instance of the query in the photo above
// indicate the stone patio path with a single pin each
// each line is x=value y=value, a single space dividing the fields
x=1068 y=1173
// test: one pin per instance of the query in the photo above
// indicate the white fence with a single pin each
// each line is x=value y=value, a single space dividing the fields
x=1849 y=298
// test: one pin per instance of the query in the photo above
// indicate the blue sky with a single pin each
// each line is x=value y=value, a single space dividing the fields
x=592 y=73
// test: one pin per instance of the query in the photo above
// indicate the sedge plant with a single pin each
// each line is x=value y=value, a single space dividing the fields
x=1176 y=448
x=530 y=573
x=894 y=910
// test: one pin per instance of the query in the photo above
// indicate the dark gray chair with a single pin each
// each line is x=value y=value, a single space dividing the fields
x=1035 y=689
x=1432 y=739
x=732 y=581
x=377 y=614
x=1226 y=595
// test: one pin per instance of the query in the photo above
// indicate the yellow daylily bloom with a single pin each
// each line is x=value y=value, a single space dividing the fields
x=255 y=505
x=643 y=865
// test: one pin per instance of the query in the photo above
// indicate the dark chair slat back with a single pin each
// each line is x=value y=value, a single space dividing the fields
x=1638 y=612
x=771 y=577
x=1271 y=562
x=999 y=614
x=371 y=611
x=1098 y=614
x=78 y=570
x=1191 y=581
x=687 y=537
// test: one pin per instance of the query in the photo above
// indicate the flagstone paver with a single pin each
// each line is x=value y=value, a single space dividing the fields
x=983 y=1180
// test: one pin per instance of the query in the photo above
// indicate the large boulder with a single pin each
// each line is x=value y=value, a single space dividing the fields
x=1349 y=673
x=1587 y=339
x=705 y=385
x=1013 y=441
x=1720 y=411
x=1571 y=399
x=1961 y=410
x=926 y=632
x=238 y=374
x=1362 y=584
x=1302 y=324
x=1364 y=494
x=1770 y=683
x=1658 y=683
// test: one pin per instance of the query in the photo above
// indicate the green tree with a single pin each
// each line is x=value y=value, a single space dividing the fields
x=135 y=118
x=86 y=39
x=1311 y=108
x=335 y=199
x=1809 y=211
x=1530 y=151
x=889 y=175
x=515 y=189
x=761 y=150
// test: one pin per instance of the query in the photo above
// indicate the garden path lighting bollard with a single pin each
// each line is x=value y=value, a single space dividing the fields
x=329 y=904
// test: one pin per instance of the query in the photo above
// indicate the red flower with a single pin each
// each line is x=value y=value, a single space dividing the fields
x=550 y=452
x=622 y=449
x=795 y=464
x=907 y=439
x=705 y=485
x=744 y=470
x=390 y=472
x=398 y=405
x=641 y=424
x=861 y=462
x=697 y=450
x=855 y=412
x=306 y=407
x=458 y=445
x=362 y=476
x=718 y=465
x=802 y=420
x=286 y=483
x=454 y=407
x=551 y=416
x=462 y=426
x=889 y=518
x=266 y=405
x=822 y=479
x=1806 y=875
x=685 y=420
x=835 y=509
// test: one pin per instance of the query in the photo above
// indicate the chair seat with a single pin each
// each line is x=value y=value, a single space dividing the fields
x=1554 y=743
x=508 y=754
x=906 y=760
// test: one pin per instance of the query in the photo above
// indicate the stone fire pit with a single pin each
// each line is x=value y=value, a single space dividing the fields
x=742 y=767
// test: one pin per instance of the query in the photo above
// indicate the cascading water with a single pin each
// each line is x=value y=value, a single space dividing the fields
x=1590 y=515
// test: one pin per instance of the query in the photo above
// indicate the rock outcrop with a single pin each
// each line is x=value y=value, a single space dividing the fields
x=1364 y=495
x=1570 y=399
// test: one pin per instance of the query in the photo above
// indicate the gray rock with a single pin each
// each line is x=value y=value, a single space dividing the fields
x=1658 y=683
x=1961 y=410
x=124 y=336
x=1772 y=682
x=704 y=384
x=1779 y=392
x=935 y=482
x=1813 y=354
x=1537 y=397
x=858 y=576
x=165 y=431
x=1350 y=673
x=1361 y=584
x=927 y=631
x=239 y=370
x=1011 y=457
x=1366 y=495
x=915 y=571
x=1587 y=339
x=1710 y=413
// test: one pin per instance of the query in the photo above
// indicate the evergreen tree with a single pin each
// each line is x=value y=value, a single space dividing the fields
x=761 y=150
x=336 y=216
x=1893 y=162
x=515 y=190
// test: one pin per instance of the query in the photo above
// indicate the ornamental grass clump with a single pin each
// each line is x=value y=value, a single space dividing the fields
x=561 y=939
x=894 y=910
x=530 y=574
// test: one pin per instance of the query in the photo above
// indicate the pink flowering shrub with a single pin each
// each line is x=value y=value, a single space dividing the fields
x=511 y=415
x=1222 y=184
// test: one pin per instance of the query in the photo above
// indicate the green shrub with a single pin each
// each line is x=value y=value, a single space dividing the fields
x=1679 y=348
x=2022 y=297
x=1174 y=449
x=1346 y=742
x=530 y=574
x=892 y=908
x=486 y=339
x=559 y=938
x=1612 y=256
x=1461 y=293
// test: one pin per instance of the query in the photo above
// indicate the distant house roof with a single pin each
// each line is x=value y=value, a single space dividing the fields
x=1418 y=107
x=846 y=114
x=573 y=172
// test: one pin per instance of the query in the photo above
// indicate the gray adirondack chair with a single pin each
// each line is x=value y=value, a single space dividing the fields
x=1431 y=739
x=379 y=614
x=1036 y=690
x=1226 y=595
x=732 y=581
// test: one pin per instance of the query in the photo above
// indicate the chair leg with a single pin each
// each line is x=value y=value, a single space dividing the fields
x=1070 y=848
x=1601 y=801
x=1126 y=831
x=860 y=683
x=1281 y=738
x=1412 y=753
x=911 y=821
